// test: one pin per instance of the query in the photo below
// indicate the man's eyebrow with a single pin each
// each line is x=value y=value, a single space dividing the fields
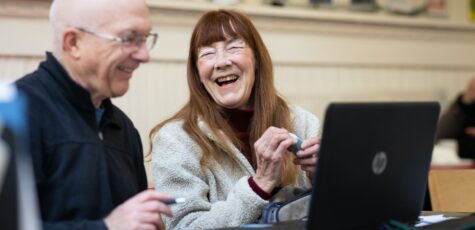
x=134 y=32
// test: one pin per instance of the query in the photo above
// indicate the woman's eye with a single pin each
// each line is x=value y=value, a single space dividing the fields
x=207 y=54
x=235 y=48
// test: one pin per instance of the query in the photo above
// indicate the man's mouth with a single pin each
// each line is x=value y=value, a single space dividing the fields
x=226 y=79
x=126 y=69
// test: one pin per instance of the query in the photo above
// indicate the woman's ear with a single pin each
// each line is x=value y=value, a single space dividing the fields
x=71 y=40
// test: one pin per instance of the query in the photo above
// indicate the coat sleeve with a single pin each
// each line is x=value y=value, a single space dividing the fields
x=36 y=148
x=305 y=124
x=140 y=168
x=75 y=225
x=177 y=171
x=451 y=123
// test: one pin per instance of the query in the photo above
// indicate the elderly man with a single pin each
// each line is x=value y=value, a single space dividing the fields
x=87 y=155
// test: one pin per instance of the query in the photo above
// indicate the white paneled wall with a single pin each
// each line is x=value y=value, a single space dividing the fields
x=314 y=87
x=11 y=68
x=157 y=91
x=319 y=57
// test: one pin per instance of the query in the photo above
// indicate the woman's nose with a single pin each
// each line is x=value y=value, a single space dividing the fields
x=222 y=60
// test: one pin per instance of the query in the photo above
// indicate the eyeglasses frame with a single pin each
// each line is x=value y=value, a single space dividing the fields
x=109 y=37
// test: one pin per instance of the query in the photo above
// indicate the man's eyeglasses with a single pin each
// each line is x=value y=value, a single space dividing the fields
x=128 y=39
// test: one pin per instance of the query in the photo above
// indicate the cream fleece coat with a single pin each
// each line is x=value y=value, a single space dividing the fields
x=219 y=195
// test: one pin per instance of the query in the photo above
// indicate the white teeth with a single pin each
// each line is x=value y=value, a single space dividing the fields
x=226 y=78
x=126 y=69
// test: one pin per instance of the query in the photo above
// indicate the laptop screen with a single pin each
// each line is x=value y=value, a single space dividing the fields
x=373 y=164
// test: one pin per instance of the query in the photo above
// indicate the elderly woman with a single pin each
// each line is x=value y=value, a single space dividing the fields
x=226 y=150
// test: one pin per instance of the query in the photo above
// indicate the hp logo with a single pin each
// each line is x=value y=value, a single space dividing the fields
x=380 y=161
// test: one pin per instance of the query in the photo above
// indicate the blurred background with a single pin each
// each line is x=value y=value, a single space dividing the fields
x=323 y=51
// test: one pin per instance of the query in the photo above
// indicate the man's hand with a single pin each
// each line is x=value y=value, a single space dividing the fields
x=470 y=131
x=139 y=212
x=469 y=93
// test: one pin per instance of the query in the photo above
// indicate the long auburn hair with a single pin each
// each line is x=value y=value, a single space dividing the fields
x=269 y=108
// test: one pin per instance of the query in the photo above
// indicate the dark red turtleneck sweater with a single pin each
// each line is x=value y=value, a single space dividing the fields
x=240 y=120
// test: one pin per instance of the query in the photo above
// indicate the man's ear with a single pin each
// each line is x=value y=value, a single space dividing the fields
x=71 y=40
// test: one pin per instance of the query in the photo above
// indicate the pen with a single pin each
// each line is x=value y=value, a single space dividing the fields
x=173 y=200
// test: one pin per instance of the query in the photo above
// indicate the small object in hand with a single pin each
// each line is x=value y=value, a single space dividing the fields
x=297 y=146
x=173 y=201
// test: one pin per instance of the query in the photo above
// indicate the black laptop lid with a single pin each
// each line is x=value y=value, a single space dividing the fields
x=373 y=164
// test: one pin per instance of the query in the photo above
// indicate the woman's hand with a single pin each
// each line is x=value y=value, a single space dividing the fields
x=270 y=149
x=307 y=157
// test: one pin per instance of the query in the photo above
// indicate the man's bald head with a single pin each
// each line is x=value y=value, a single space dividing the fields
x=90 y=14
x=92 y=41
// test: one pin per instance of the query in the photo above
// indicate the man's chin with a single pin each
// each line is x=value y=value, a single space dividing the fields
x=119 y=92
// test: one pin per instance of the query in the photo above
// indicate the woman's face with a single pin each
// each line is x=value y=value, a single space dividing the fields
x=226 y=70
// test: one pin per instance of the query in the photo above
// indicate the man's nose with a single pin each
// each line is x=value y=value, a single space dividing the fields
x=142 y=54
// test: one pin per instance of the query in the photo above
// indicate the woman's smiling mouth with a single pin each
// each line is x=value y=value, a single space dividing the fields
x=226 y=79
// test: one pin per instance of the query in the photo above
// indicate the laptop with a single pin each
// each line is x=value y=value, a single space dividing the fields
x=373 y=164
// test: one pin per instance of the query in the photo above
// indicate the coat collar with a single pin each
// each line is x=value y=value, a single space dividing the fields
x=79 y=97
x=242 y=160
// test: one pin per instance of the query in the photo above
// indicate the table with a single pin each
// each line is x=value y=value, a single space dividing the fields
x=301 y=225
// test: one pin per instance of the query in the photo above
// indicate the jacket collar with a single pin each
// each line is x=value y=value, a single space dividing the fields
x=235 y=151
x=79 y=97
